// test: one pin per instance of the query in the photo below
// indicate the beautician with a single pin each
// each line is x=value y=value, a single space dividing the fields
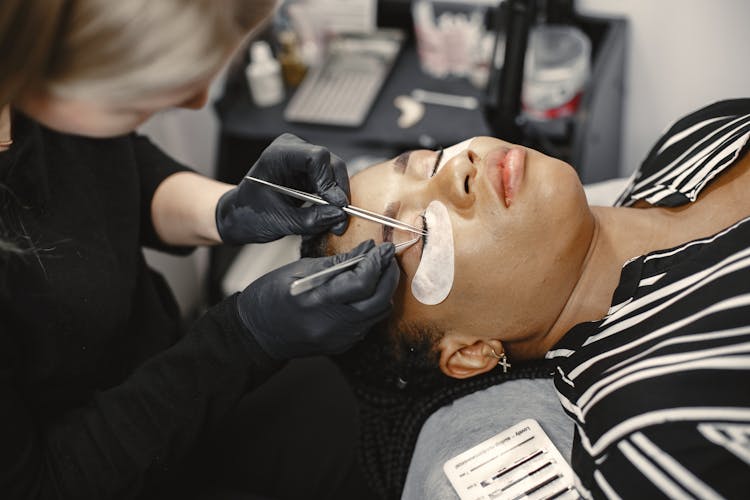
x=103 y=393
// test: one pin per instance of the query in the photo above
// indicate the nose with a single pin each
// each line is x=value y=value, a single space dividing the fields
x=454 y=183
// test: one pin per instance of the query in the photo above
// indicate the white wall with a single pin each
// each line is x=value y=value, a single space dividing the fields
x=682 y=54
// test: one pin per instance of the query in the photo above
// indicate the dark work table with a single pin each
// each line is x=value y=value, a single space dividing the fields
x=590 y=140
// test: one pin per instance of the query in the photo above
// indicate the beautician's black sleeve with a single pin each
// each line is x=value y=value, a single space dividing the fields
x=154 y=165
x=111 y=446
x=103 y=392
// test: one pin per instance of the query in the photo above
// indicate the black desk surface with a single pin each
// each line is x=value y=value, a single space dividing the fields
x=440 y=125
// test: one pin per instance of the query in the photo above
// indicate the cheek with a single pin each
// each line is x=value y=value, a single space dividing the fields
x=408 y=309
x=475 y=275
x=492 y=260
x=469 y=309
x=370 y=188
x=467 y=298
x=555 y=181
x=558 y=206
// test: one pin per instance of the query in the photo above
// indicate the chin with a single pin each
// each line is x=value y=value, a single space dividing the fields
x=89 y=129
x=559 y=182
x=558 y=205
x=70 y=119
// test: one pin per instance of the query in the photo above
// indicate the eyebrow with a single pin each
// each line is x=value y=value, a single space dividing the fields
x=401 y=161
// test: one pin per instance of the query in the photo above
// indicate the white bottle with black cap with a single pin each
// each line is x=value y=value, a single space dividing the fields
x=264 y=76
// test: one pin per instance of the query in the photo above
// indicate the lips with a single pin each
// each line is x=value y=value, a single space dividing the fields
x=505 y=170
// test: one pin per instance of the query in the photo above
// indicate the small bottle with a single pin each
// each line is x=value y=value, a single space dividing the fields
x=264 y=76
x=292 y=66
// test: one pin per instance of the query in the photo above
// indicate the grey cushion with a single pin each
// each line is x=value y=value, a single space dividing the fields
x=472 y=419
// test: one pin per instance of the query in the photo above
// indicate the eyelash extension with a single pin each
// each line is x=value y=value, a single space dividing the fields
x=437 y=162
x=426 y=232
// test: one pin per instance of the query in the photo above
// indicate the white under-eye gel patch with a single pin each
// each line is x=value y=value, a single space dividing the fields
x=434 y=277
x=449 y=153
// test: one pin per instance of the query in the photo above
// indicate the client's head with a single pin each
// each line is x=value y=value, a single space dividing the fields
x=520 y=227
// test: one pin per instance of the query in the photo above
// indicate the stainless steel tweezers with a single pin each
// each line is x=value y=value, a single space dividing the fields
x=350 y=209
x=316 y=279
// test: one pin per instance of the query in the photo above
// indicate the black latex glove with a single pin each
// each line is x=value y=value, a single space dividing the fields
x=252 y=213
x=325 y=320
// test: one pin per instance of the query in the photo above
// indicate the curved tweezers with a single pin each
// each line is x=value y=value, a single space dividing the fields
x=350 y=209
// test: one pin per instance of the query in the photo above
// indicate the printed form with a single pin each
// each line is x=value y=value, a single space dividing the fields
x=519 y=463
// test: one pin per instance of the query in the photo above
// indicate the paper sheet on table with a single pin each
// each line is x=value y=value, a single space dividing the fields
x=519 y=463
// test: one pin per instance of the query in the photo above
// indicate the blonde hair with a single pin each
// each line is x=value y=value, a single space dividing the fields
x=115 y=50
x=118 y=50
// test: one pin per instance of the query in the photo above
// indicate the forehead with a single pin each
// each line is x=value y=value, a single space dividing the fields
x=373 y=186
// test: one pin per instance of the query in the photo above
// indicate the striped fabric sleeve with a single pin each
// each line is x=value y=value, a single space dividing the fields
x=659 y=388
x=692 y=153
x=712 y=471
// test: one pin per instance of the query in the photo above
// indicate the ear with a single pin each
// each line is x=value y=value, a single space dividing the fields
x=464 y=358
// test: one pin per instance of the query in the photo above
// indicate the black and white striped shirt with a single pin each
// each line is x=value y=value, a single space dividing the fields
x=659 y=389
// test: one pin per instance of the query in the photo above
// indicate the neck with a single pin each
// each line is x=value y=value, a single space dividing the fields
x=6 y=138
x=619 y=235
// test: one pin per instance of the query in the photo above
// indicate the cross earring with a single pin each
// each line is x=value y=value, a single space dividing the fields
x=502 y=360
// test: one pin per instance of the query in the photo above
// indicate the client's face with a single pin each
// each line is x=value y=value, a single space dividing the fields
x=516 y=218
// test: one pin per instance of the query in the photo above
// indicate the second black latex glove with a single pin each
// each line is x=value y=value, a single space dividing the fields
x=325 y=320
x=252 y=213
